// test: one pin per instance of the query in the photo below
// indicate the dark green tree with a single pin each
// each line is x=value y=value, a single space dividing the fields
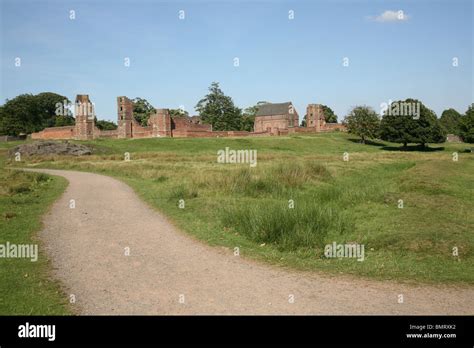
x=142 y=110
x=364 y=122
x=329 y=115
x=50 y=106
x=404 y=128
x=29 y=113
x=450 y=121
x=219 y=110
x=467 y=125
x=64 y=120
x=105 y=125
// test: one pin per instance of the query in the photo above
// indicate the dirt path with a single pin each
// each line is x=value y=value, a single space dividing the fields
x=87 y=244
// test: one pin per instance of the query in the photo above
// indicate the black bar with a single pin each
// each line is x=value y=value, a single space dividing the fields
x=288 y=330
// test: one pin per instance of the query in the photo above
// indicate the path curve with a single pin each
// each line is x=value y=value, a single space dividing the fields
x=86 y=247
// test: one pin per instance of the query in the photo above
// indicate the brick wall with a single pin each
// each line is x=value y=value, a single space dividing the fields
x=66 y=132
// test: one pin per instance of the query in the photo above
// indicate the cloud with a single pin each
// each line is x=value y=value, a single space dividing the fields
x=390 y=16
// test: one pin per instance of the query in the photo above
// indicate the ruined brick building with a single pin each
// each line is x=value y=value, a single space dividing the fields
x=276 y=118
x=271 y=119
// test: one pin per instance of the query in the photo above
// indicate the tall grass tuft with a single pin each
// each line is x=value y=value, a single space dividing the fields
x=182 y=191
x=305 y=226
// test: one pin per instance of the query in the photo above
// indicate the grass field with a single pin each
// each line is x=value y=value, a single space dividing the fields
x=26 y=287
x=234 y=205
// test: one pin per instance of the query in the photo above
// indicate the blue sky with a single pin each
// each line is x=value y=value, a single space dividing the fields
x=173 y=60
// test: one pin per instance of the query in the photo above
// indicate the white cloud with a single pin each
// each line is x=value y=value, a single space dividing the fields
x=391 y=16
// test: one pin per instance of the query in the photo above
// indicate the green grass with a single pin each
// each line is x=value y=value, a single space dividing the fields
x=26 y=287
x=234 y=205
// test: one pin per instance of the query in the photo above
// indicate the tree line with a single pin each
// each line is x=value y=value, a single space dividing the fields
x=28 y=113
x=420 y=127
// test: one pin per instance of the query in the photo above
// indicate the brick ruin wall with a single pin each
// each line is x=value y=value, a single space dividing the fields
x=161 y=124
x=66 y=132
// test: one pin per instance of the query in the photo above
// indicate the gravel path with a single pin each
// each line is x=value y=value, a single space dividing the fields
x=165 y=267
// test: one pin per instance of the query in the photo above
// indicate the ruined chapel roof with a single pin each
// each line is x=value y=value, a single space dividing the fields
x=274 y=109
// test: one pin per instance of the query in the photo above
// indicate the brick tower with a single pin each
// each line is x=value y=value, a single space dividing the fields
x=160 y=123
x=315 y=117
x=124 y=117
x=85 y=114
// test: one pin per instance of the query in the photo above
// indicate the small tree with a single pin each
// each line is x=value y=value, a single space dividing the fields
x=467 y=125
x=219 y=110
x=364 y=122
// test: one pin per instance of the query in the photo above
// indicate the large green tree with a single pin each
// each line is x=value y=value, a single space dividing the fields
x=467 y=125
x=450 y=121
x=28 y=113
x=219 y=110
x=142 y=110
x=364 y=122
x=421 y=127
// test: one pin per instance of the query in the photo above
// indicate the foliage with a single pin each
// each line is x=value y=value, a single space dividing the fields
x=407 y=128
x=28 y=113
x=467 y=125
x=105 y=125
x=248 y=117
x=364 y=122
x=329 y=114
x=178 y=113
x=219 y=110
x=142 y=110
x=450 y=121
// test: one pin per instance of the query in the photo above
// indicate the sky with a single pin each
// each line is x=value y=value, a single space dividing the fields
x=340 y=53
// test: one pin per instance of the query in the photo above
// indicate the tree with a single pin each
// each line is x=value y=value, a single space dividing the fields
x=105 y=125
x=64 y=120
x=450 y=121
x=329 y=115
x=419 y=125
x=28 y=113
x=142 y=110
x=178 y=113
x=50 y=106
x=364 y=122
x=466 y=129
x=219 y=110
